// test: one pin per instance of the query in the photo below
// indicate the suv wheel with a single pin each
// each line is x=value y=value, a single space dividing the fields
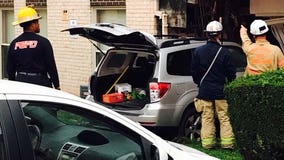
x=190 y=125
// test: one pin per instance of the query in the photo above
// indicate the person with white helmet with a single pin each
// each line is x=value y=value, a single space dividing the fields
x=212 y=66
x=30 y=56
x=261 y=55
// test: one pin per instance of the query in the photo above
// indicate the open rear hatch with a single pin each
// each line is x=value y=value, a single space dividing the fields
x=130 y=63
x=115 y=35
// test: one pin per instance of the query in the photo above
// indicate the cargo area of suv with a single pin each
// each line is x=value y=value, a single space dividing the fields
x=149 y=80
x=125 y=72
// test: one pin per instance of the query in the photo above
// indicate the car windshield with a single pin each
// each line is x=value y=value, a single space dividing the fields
x=59 y=117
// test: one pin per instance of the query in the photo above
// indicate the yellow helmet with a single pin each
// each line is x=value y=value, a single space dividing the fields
x=26 y=14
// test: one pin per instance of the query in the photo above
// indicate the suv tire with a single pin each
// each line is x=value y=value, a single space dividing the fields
x=190 y=125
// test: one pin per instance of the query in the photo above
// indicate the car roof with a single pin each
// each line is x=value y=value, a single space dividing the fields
x=14 y=87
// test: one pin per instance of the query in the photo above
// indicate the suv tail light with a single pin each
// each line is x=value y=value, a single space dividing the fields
x=158 y=90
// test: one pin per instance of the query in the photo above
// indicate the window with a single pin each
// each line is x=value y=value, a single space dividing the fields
x=69 y=132
x=7 y=33
x=43 y=22
x=112 y=16
x=116 y=60
x=179 y=63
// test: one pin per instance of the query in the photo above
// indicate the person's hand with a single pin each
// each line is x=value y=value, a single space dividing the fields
x=243 y=30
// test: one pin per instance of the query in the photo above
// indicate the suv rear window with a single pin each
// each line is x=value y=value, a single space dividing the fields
x=116 y=60
x=179 y=63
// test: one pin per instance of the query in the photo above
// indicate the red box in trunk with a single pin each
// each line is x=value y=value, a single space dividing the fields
x=113 y=98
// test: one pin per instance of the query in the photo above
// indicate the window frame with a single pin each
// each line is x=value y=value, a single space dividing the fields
x=4 y=42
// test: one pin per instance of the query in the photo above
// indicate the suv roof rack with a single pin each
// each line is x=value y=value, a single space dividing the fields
x=181 y=41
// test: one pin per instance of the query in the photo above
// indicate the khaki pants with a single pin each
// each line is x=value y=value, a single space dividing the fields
x=208 y=128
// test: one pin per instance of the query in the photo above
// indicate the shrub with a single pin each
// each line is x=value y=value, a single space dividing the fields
x=256 y=109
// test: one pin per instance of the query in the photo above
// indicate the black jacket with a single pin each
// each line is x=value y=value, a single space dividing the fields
x=32 y=53
x=223 y=70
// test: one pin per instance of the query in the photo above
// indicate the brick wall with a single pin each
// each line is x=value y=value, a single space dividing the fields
x=141 y=15
x=18 y=4
x=73 y=56
x=107 y=2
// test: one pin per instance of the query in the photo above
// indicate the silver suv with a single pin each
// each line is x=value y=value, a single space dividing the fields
x=159 y=69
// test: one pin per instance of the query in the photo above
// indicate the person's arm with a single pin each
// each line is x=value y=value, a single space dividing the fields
x=195 y=69
x=51 y=65
x=11 y=64
x=246 y=41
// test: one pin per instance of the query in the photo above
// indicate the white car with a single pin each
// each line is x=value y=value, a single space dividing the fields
x=43 y=123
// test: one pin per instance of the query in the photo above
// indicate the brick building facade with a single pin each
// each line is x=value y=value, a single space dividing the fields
x=76 y=57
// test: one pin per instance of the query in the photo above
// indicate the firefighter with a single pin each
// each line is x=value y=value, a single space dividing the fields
x=30 y=56
x=211 y=66
x=261 y=55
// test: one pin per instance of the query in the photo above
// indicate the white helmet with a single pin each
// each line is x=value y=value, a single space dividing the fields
x=213 y=28
x=258 y=27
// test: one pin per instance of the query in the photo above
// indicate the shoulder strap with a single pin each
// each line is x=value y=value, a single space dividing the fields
x=210 y=66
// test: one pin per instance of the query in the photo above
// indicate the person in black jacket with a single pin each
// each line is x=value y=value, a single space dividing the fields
x=30 y=56
x=211 y=75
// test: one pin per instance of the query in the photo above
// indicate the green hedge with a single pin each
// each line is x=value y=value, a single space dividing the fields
x=256 y=109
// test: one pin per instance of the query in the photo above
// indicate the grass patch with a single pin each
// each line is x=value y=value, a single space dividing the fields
x=220 y=153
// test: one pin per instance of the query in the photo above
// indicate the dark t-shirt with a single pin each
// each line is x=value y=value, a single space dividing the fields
x=32 y=53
